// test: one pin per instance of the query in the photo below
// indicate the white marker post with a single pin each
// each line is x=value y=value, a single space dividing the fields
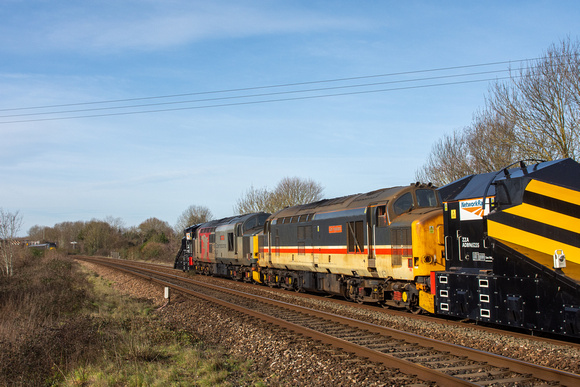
x=167 y=294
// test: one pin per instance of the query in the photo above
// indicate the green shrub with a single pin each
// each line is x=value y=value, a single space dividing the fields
x=152 y=250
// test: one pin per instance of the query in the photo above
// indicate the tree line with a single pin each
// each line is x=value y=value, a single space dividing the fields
x=153 y=238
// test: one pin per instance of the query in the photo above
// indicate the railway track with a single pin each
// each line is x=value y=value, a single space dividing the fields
x=430 y=360
x=461 y=324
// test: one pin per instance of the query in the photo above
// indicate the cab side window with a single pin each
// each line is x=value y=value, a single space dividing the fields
x=426 y=198
x=381 y=216
x=403 y=204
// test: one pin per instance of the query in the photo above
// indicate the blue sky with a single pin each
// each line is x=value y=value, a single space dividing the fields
x=138 y=166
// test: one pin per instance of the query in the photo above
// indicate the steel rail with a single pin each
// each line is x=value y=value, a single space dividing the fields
x=462 y=324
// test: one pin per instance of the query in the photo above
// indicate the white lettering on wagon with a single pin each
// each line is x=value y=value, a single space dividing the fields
x=466 y=243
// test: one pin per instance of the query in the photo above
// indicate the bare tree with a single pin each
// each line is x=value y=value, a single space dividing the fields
x=192 y=215
x=116 y=223
x=36 y=232
x=448 y=160
x=485 y=146
x=289 y=191
x=155 y=228
x=94 y=236
x=542 y=100
x=536 y=115
x=10 y=224
x=254 y=200
x=67 y=234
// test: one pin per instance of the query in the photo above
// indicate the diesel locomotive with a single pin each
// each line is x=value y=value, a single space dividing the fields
x=501 y=248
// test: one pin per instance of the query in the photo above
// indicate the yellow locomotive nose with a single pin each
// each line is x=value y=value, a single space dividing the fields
x=428 y=255
x=428 y=243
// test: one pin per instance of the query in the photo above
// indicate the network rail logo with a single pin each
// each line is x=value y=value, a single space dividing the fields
x=473 y=209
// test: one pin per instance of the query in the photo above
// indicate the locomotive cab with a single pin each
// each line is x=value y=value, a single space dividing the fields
x=184 y=257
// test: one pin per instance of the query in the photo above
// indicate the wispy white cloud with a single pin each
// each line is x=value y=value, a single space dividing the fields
x=158 y=24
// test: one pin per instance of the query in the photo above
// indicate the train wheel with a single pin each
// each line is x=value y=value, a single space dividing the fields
x=347 y=296
x=416 y=310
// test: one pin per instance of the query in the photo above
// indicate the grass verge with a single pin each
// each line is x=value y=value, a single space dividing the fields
x=63 y=326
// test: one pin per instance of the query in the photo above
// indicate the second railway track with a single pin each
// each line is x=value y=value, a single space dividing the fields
x=431 y=360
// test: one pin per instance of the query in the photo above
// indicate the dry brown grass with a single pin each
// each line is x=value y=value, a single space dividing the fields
x=60 y=326
x=40 y=330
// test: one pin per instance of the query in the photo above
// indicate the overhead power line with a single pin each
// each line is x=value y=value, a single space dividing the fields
x=253 y=102
x=249 y=95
